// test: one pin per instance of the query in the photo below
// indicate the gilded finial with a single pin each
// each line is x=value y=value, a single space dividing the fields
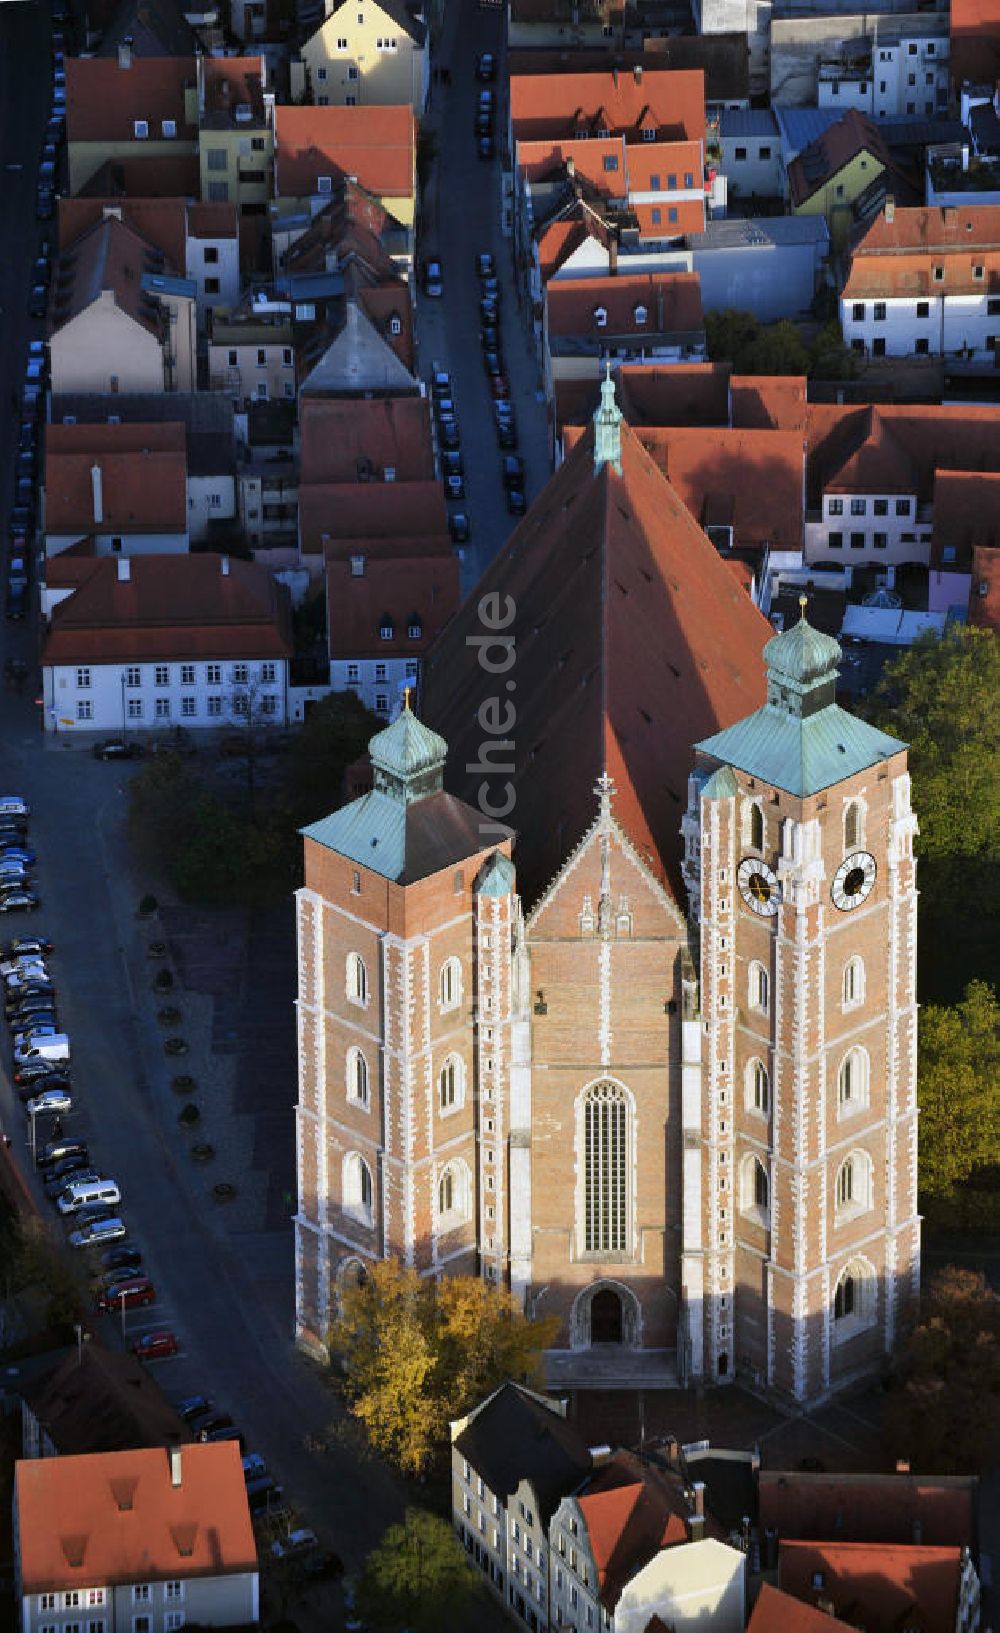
x=406 y=699
x=803 y=604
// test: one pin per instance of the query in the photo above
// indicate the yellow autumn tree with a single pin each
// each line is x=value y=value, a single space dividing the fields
x=415 y=1353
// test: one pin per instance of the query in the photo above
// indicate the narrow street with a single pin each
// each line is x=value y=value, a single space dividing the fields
x=460 y=212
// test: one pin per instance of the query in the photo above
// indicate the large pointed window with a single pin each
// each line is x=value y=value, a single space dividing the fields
x=606 y=1141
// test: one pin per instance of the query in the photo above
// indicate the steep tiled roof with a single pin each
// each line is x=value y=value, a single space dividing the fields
x=777 y=1612
x=115 y=1517
x=228 y=83
x=722 y=57
x=560 y=239
x=145 y=175
x=385 y=303
x=552 y=105
x=351 y=226
x=345 y=440
x=103 y=100
x=98 y=1400
x=984 y=594
x=748 y=480
x=669 y=301
x=600 y=161
x=631 y=1511
x=966 y=516
x=869 y=1507
x=143 y=478
x=824 y=158
x=898 y=257
x=153 y=28
x=514 y=1437
x=411 y=589
x=881 y=1588
x=913 y=438
x=376 y=145
x=633 y=639
x=763 y=402
x=329 y=511
x=109 y=257
x=171 y=607
x=975 y=40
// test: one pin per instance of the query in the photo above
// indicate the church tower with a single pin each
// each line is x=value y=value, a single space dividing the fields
x=801 y=1250
x=404 y=926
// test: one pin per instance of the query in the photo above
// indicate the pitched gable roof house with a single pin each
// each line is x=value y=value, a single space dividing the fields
x=516 y=1436
x=148 y=28
x=777 y=1612
x=317 y=148
x=670 y=102
x=95 y=1400
x=881 y=1587
x=147 y=1516
x=872 y=1508
x=353 y=232
x=179 y=228
x=848 y=167
x=123 y=106
x=638 y=315
x=125 y=480
x=633 y=639
x=370 y=351
x=334 y=513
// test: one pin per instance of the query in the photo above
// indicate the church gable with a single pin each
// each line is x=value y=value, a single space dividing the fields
x=604 y=891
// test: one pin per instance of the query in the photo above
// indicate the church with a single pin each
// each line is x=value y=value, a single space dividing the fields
x=607 y=987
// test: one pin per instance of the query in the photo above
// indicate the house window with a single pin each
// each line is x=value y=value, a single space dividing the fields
x=880 y=507
x=268 y=673
x=85 y=709
x=141 y=1593
x=161 y=708
x=172 y=1621
x=357 y=1185
x=765 y=152
x=357 y=1078
x=233 y=359
x=451 y=1084
x=655 y=217
x=141 y=129
x=321 y=73
x=133 y=675
x=654 y=184
x=853 y=1081
x=380 y=671
x=993 y=308
x=878 y=347
x=213 y=674
x=451 y=983
x=606 y=1130
x=83 y=677
x=854 y=982
x=835 y=507
x=189 y=707
x=386 y=628
x=357 y=979
x=858 y=311
x=395 y=326
x=858 y=507
x=601 y=317
x=758 y=987
x=187 y=674
x=217 y=159
x=839 y=191
x=261 y=357
x=688 y=178
x=758 y=1091
x=755 y=1192
x=857 y=541
x=902 y=507
x=341 y=45
x=880 y=541
x=173 y=1590
x=213 y=706
x=352 y=73
x=353 y=673
x=671 y=183
x=672 y=216
x=324 y=184
x=879 y=312
x=835 y=541
x=211 y=255
x=161 y=674
x=135 y=708
x=381 y=703
x=218 y=192
x=640 y=314
x=740 y=153
x=938 y=273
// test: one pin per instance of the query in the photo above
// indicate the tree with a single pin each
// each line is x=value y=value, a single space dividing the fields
x=753 y=347
x=944 y=1411
x=943 y=698
x=829 y=357
x=39 y=1265
x=416 y=1353
x=335 y=734
x=959 y=1090
x=417 y=1578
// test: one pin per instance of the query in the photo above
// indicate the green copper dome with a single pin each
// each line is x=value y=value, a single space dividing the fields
x=802 y=654
x=408 y=758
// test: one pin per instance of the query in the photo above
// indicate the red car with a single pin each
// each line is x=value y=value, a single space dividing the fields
x=136 y=1291
x=500 y=385
x=154 y=1346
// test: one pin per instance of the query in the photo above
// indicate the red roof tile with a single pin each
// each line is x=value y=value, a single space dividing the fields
x=351 y=226
x=966 y=515
x=868 y=1507
x=601 y=162
x=376 y=145
x=631 y=1511
x=560 y=239
x=670 y=303
x=748 y=480
x=671 y=101
x=143 y=478
x=763 y=402
x=103 y=101
x=898 y=257
x=777 y=1612
x=333 y=511
x=838 y=145
x=882 y=1588
x=975 y=41
x=402 y=586
x=171 y=607
x=112 y=257
x=115 y=1517
x=146 y=175
x=984 y=592
x=908 y=442
x=384 y=303
x=342 y=440
x=633 y=641
x=231 y=82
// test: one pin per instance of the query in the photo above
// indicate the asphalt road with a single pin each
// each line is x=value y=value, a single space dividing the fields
x=460 y=217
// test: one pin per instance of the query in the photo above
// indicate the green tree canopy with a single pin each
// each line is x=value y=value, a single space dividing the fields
x=944 y=1412
x=776 y=348
x=417 y=1578
x=335 y=734
x=416 y=1353
x=959 y=1090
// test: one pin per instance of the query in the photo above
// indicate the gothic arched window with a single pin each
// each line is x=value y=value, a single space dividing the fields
x=451 y=983
x=357 y=1188
x=357 y=979
x=853 y=834
x=756 y=827
x=853 y=1189
x=357 y=1077
x=451 y=1084
x=758 y=1088
x=852 y=1081
x=758 y=987
x=854 y=1299
x=755 y=1191
x=454 y=1191
x=854 y=982
x=607 y=1134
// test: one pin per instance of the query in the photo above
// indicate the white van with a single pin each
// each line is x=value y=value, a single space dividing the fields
x=98 y=1234
x=13 y=805
x=88 y=1190
x=39 y=1046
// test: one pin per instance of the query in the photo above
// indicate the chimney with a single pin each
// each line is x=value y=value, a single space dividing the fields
x=571 y=167
x=673 y=1450
x=97 y=490
x=599 y=1455
x=637 y=73
x=698 y=1490
x=175 y=1464
x=965 y=156
x=890 y=209
x=124 y=569
x=224 y=566
x=125 y=52
x=614 y=77
x=613 y=254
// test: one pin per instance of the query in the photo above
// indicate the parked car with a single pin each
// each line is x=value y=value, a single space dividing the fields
x=489 y=337
x=211 y=1437
x=16 y=610
x=96 y=1235
x=27 y=1091
x=489 y=288
x=517 y=504
x=117 y=748
x=489 y=310
x=485 y=265
x=483 y=122
x=444 y=408
x=122 y=1258
x=263 y=1494
x=49 y=1102
x=254 y=1467
x=459 y=527
x=513 y=471
x=486 y=66
x=192 y=1406
x=205 y=1423
x=93 y=1213
x=448 y=434
x=57 y=1177
x=500 y=385
x=296 y=1542
x=38 y=301
x=454 y=487
x=155 y=1346
x=493 y=363
x=433 y=279
x=37 y=1071
x=19 y=852
x=134 y=1293
x=506 y=434
x=21 y=945
x=58 y=1150
x=451 y=463
x=440 y=383
x=484 y=147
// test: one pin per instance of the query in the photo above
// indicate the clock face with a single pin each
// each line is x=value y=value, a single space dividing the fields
x=853 y=881
x=758 y=886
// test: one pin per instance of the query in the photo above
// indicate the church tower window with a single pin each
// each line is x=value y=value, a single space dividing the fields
x=358 y=1188
x=854 y=983
x=357 y=1078
x=606 y=1149
x=854 y=1299
x=758 y=1089
x=755 y=1192
x=451 y=1084
x=451 y=983
x=756 y=827
x=853 y=826
x=357 y=979
x=852 y=1081
x=759 y=988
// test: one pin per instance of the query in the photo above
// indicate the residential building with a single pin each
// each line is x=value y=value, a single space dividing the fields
x=722 y=58
x=777 y=1612
x=317 y=149
x=885 y=1587
x=380 y=511
x=201 y=239
x=365 y=444
x=152 y=28
x=378 y=55
x=360 y=356
x=236 y=135
x=966 y=529
x=153 y=642
x=751 y=153
x=118 y=489
x=269 y=506
x=251 y=354
x=91 y=1400
x=146 y=1539
x=128 y=107
x=354 y=232
x=841 y=175
x=636 y=319
x=121 y=320
x=886 y=63
x=513 y=1458
x=926 y=282
x=902 y=1509
x=619 y=1072
x=386 y=606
